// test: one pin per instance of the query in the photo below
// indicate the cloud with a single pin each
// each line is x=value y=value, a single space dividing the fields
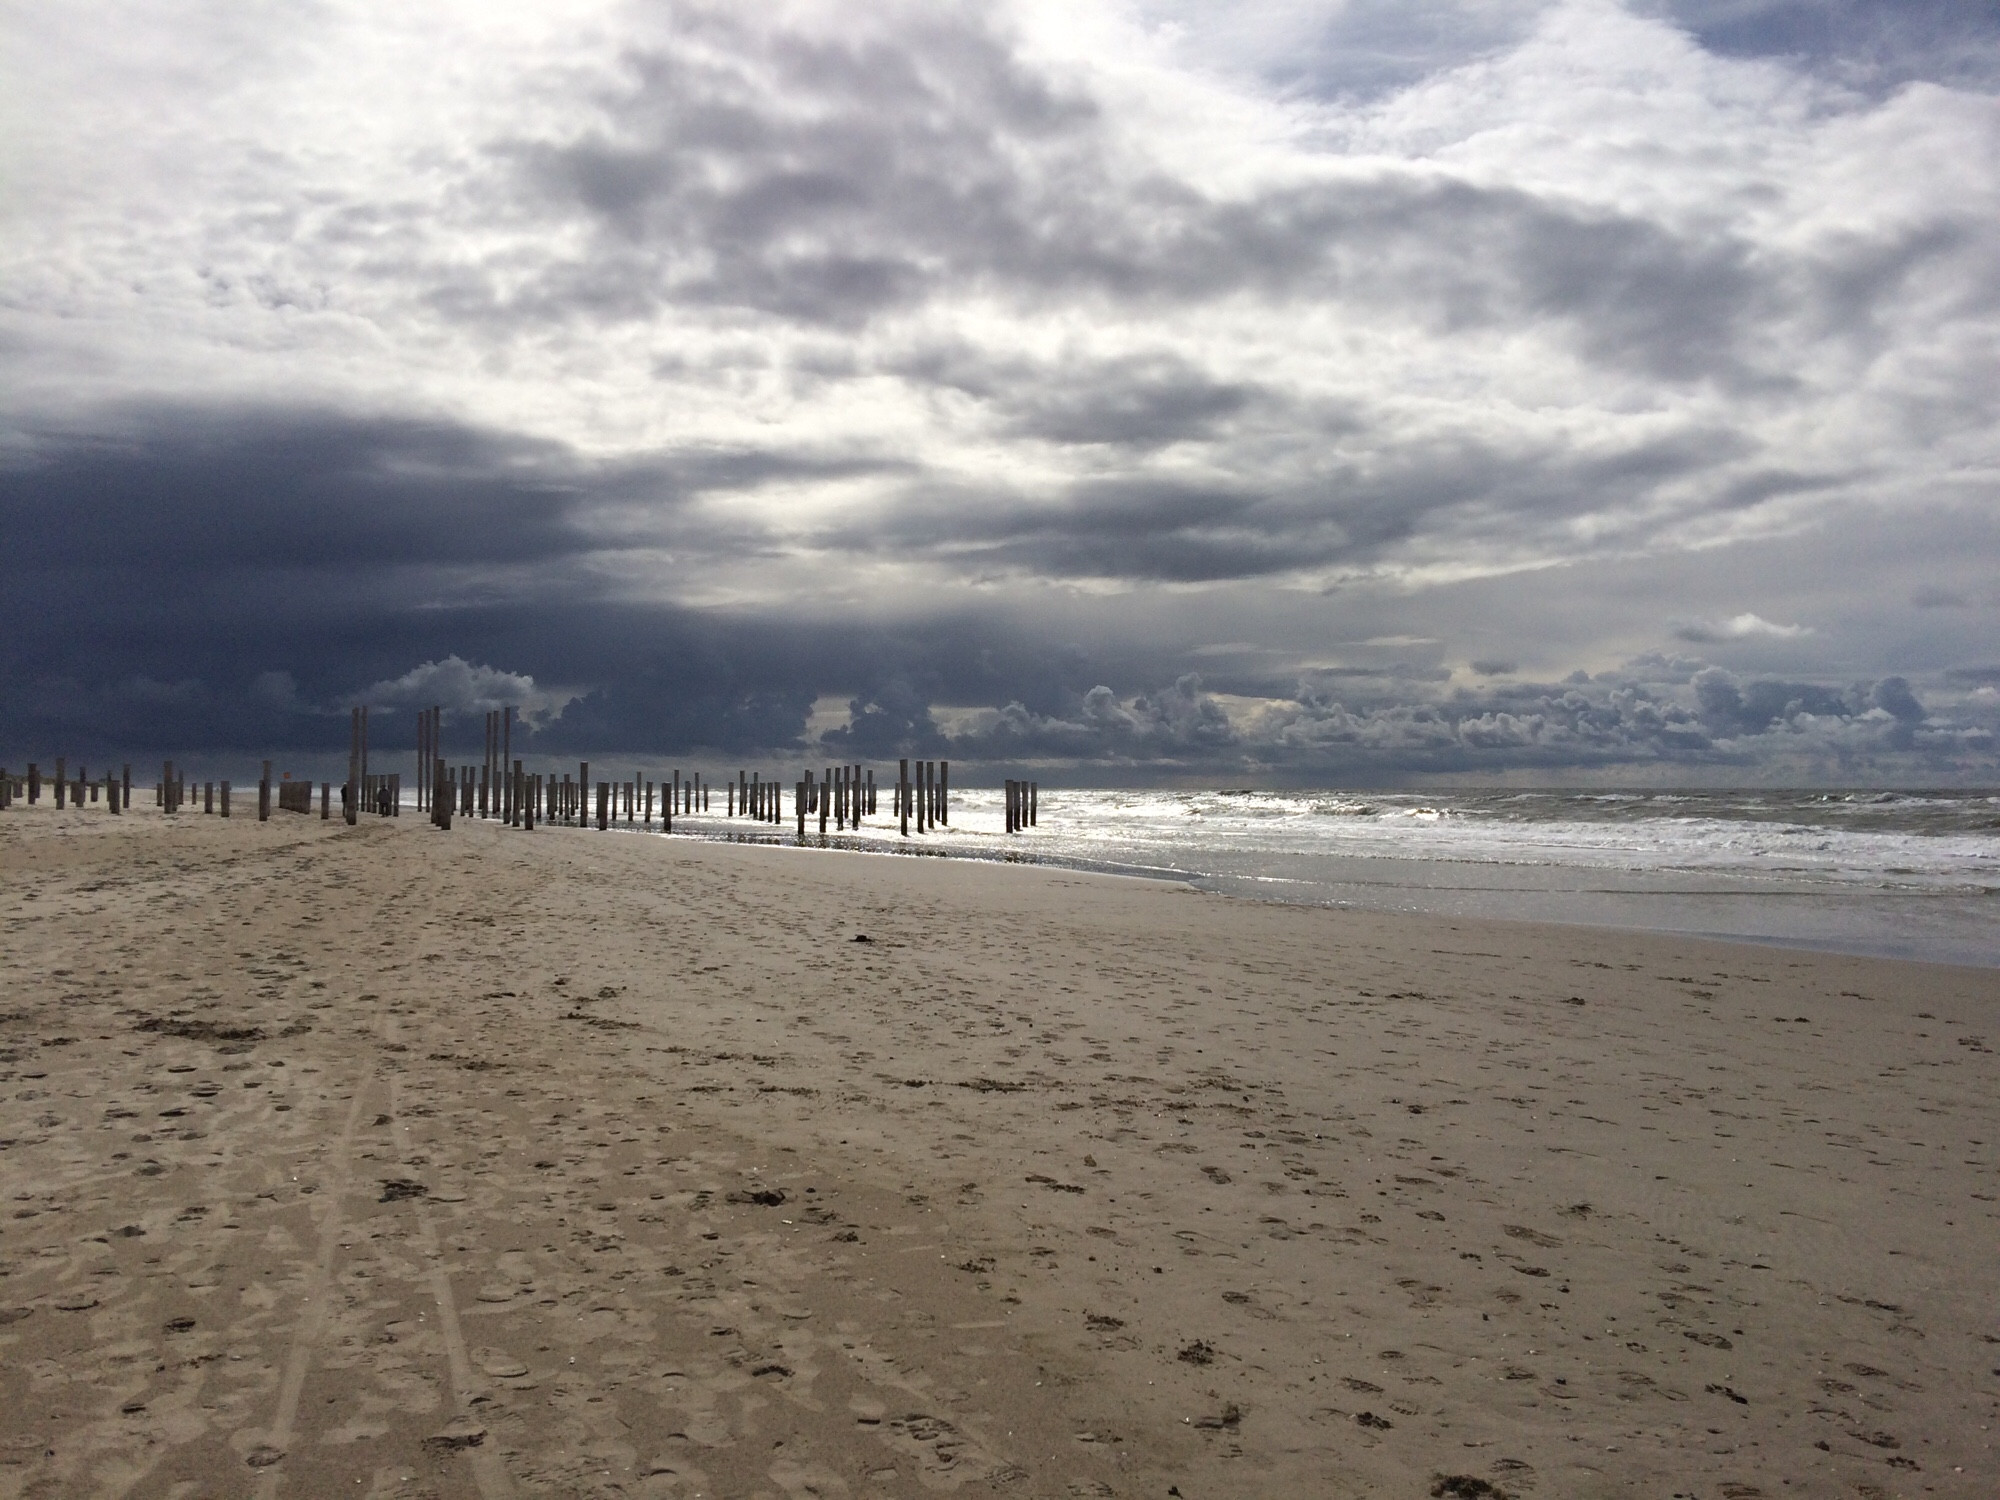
x=1738 y=628
x=694 y=364
x=1716 y=726
x=464 y=688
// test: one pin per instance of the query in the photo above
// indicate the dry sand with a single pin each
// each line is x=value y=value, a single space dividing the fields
x=394 y=1162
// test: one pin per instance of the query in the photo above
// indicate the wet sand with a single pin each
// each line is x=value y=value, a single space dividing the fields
x=390 y=1162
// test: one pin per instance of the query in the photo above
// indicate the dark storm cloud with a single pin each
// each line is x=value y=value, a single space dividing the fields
x=236 y=578
x=198 y=490
x=185 y=493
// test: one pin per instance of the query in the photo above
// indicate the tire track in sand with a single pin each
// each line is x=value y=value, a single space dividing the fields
x=488 y=1472
x=312 y=1320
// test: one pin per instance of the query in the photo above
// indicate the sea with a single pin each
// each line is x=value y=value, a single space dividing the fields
x=1900 y=874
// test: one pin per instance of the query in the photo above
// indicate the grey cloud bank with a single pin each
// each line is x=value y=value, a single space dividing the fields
x=1567 y=390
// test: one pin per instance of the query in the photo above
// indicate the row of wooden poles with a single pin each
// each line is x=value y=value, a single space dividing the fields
x=173 y=793
x=500 y=787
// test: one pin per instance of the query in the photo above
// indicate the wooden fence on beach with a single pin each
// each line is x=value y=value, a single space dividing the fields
x=499 y=787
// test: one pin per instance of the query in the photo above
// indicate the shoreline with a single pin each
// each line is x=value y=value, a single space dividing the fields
x=1229 y=887
x=624 y=1161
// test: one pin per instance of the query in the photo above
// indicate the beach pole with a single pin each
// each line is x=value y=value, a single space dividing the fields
x=350 y=796
x=799 y=805
x=902 y=795
x=62 y=782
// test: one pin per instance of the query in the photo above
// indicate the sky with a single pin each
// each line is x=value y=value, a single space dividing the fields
x=1286 y=392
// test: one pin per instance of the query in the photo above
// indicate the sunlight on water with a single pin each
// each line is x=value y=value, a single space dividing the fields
x=1913 y=874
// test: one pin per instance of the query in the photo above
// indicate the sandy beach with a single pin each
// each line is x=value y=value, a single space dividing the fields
x=392 y=1162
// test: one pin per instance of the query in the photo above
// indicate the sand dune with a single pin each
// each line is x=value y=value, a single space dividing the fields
x=386 y=1162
